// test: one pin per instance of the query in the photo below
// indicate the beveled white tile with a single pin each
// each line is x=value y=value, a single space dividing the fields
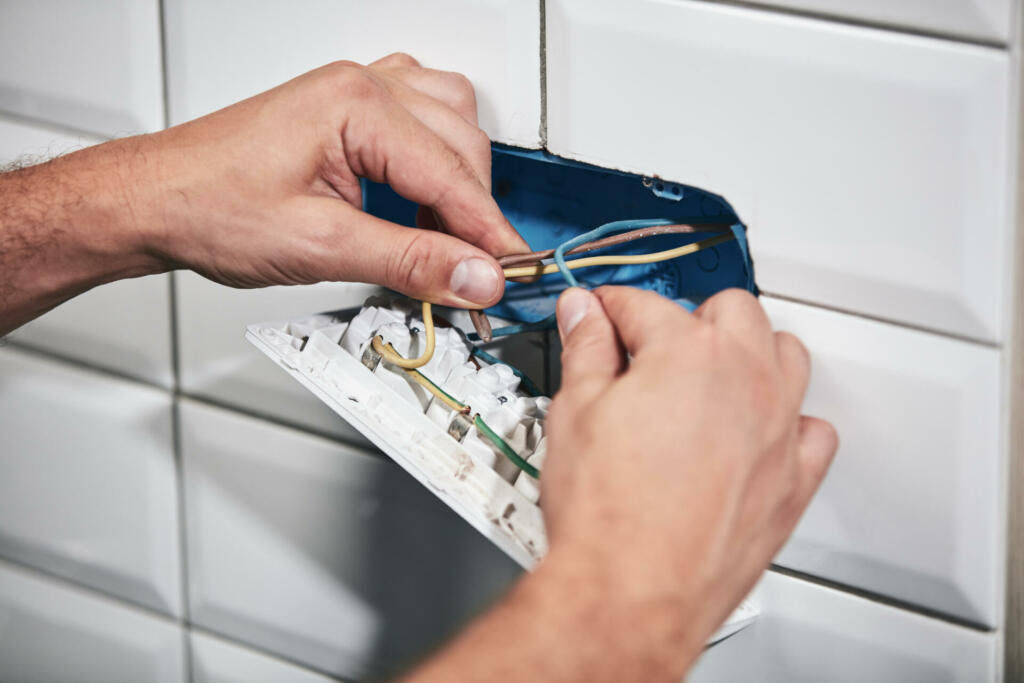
x=870 y=166
x=51 y=632
x=215 y=660
x=219 y=52
x=810 y=633
x=87 y=479
x=122 y=326
x=94 y=66
x=912 y=505
x=321 y=553
x=216 y=362
x=985 y=20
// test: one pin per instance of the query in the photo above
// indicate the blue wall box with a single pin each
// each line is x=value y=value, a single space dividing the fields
x=550 y=200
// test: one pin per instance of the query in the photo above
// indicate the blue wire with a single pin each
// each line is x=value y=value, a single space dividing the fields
x=597 y=233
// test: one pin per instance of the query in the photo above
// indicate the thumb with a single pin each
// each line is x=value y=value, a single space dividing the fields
x=591 y=354
x=425 y=264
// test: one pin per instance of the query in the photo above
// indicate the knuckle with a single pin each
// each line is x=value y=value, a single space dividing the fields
x=481 y=141
x=791 y=345
x=463 y=86
x=409 y=268
x=401 y=59
x=461 y=93
x=355 y=80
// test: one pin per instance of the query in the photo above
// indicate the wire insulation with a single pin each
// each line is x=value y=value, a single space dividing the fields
x=622 y=260
x=390 y=355
x=478 y=421
x=640 y=233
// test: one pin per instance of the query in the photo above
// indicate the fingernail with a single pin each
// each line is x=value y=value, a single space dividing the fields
x=475 y=280
x=572 y=307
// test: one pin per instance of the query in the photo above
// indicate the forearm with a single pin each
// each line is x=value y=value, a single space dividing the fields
x=69 y=225
x=567 y=622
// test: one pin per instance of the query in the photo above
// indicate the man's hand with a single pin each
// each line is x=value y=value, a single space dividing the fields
x=267 y=192
x=678 y=464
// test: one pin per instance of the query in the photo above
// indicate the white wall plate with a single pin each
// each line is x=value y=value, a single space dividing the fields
x=309 y=350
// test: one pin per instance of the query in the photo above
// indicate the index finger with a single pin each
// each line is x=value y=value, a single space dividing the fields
x=423 y=168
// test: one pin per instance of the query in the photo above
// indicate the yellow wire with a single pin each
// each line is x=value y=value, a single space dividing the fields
x=626 y=259
x=436 y=391
x=390 y=355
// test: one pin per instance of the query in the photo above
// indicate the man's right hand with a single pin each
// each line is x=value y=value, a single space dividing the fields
x=679 y=461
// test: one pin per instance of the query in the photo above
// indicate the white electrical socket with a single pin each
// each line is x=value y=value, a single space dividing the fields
x=326 y=354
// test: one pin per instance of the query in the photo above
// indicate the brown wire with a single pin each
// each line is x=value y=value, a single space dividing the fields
x=622 y=238
x=482 y=324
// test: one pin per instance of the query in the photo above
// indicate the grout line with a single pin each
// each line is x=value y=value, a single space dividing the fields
x=880 y=319
x=177 y=394
x=53 y=126
x=886 y=600
x=543 y=75
x=175 y=359
x=859 y=23
x=260 y=649
x=80 y=364
x=365 y=446
x=70 y=581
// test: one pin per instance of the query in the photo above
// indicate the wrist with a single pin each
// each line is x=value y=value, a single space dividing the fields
x=103 y=210
x=618 y=614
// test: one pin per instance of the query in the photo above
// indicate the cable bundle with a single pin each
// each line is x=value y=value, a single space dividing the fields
x=532 y=265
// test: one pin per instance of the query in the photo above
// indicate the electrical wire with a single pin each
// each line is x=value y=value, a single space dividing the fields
x=620 y=260
x=584 y=242
x=392 y=356
x=445 y=397
x=478 y=421
x=505 y=448
x=641 y=233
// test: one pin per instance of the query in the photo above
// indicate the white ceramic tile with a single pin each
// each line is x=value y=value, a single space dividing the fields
x=215 y=660
x=216 y=362
x=24 y=143
x=986 y=20
x=87 y=479
x=94 y=66
x=912 y=505
x=219 y=52
x=51 y=632
x=123 y=326
x=810 y=633
x=870 y=166
x=321 y=553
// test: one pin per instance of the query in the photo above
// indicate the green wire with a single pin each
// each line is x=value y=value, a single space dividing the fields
x=505 y=448
x=439 y=389
x=492 y=436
